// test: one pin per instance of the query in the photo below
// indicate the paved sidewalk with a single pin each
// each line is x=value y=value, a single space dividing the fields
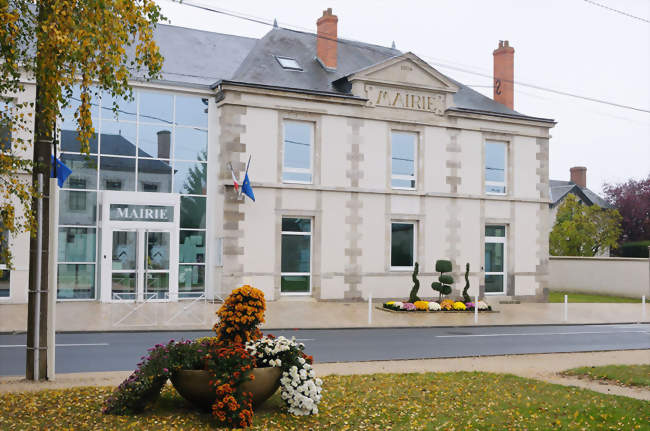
x=304 y=314
x=542 y=367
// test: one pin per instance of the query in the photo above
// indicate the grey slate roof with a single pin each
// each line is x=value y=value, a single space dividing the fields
x=559 y=189
x=200 y=57
x=261 y=67
x=197 y=57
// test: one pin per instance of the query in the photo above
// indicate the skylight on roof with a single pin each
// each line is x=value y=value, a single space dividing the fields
x=288 y=63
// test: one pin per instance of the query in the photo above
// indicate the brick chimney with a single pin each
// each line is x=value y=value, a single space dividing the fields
x=326 y=44
x=579 y=175
x=504 y=74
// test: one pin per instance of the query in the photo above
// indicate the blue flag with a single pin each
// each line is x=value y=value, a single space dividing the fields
x=62 y=171
x=246 y=188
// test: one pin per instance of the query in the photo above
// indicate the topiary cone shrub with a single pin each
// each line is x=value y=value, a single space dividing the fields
x=466 y=297
x=442 y=286
x=413 y=297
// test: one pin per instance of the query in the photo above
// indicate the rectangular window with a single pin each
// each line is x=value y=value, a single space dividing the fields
x=403 y=153
x=298 y=152
x=5 y=126
x=113 y=185
x=84 y=171
x=296 y=256
x=5 y=279
x=191 y=281
x=76 y=183
x=402 y=245
x=85 y=217
x=154 y=176
x=495 y=167
x=495 y=259
x=5 y=274
x=76 y=281
x=76 y=201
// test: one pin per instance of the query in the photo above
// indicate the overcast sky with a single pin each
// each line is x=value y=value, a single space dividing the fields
x=567 y=45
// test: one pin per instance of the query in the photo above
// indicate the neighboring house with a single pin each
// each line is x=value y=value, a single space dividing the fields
x=365 y=160
x=576 y=186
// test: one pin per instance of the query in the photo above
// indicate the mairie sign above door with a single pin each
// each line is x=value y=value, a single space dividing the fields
x=125 y=212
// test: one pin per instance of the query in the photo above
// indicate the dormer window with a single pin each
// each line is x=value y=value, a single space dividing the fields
x=288 y=63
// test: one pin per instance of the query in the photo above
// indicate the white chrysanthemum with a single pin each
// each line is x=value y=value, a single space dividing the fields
x=434 y=306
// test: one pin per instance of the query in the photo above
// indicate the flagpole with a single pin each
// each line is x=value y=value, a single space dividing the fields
x=232 y=172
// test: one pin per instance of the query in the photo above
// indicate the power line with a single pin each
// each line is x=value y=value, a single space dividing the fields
x=617 y=11
x=430 y=59
x=550 y=90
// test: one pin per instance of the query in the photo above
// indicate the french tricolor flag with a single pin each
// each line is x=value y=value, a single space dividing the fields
x=234 y=178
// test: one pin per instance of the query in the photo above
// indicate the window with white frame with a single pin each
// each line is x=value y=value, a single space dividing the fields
x=298 y=152
x=402 y=245
x=403 y=153
x=495 y=259
x=5 y=273
x=5 y=125
x=296 y=256
x=495 y=167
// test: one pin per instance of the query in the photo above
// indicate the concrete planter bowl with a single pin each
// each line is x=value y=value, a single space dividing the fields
x=194 y=386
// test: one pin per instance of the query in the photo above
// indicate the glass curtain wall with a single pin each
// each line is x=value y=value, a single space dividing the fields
x=156 y=143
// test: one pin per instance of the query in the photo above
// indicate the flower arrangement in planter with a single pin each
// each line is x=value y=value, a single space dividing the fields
x=221 y=370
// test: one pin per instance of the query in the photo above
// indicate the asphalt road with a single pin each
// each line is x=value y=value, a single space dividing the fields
x=121 y=351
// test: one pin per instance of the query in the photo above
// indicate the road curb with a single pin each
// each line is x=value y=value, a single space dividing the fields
x=339 y=328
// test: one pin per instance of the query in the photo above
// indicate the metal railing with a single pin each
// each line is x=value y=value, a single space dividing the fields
x=129 y=312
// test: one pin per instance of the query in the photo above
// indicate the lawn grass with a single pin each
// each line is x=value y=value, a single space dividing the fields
x=586 y=297
x=629 y=375
x=430 y=401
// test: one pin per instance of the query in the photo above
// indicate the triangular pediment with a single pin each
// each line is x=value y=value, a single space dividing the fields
x=406 y=71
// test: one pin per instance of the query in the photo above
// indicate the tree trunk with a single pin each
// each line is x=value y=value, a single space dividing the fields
x=42 y=155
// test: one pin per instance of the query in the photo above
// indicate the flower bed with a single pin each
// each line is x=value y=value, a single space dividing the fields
x=446 y=305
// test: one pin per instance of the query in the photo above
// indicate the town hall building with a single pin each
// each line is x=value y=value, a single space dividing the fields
x=364 y=161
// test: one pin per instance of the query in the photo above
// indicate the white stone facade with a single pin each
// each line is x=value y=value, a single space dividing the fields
x=349 y=199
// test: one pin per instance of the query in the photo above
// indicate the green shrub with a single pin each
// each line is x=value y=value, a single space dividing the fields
x=442 y=289
x=443 y=266
x=634 y=249
x=466 y=297
x=442 y=286
x=446 y=279
x=416 y=285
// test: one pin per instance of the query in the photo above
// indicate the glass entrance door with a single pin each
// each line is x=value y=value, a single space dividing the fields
x=124 y=268
x=156 y=265
x=495 y=259
x=140 y=265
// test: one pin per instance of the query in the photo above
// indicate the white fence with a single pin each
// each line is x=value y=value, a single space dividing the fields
x=600 y=275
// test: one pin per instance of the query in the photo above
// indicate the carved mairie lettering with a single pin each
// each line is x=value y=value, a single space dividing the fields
x=402 y=99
